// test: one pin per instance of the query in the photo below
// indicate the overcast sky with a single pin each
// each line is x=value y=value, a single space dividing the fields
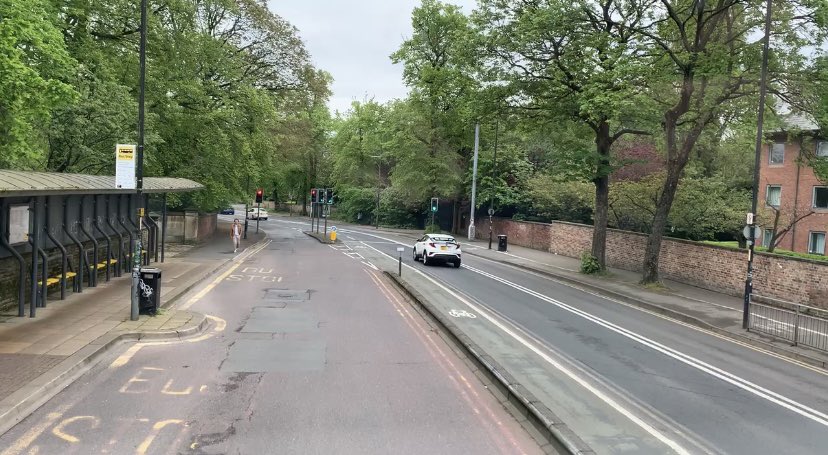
x=352 y=40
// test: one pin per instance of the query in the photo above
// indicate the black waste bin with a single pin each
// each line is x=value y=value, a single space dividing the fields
x=501 y=242
x=149 y=290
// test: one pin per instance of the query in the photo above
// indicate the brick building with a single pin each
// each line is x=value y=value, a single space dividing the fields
x=789 y=188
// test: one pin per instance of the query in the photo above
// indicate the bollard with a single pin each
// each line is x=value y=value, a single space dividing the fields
x=400 y=251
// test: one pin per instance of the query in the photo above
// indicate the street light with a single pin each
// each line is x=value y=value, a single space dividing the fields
x=139 y=180
x=379 y=182
x=751 y=221
x=494 y=182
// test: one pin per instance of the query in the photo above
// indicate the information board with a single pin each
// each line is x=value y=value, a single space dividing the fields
x=125 y=166
x=18 y=224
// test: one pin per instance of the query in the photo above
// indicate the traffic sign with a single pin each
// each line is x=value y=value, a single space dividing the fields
x=491 y=212
x=333 y=228
x=756 y=230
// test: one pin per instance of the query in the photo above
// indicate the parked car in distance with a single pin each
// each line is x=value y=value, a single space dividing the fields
x=257 y=214
x=228 y=211
x=436 y=248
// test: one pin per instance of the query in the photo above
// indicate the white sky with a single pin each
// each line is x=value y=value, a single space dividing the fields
x=352 y=40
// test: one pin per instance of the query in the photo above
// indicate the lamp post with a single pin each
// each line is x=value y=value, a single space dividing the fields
x=139 y=177
x=379 y=182
x=751 y=221
x=494 y=182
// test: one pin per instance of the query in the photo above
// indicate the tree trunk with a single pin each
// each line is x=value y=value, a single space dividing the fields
x=665 y=202
x=603 y=143
x=775 y=236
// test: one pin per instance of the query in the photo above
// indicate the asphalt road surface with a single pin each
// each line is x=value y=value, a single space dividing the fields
x=723 y=396
x=308 y=352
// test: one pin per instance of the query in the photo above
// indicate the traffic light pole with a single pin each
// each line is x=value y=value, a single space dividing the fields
x=258 y=215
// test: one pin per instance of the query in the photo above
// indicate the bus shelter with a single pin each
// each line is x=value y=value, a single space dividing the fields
x=57 y=229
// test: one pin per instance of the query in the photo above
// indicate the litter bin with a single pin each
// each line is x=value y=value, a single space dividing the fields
x=501 y=242
x=149 y=290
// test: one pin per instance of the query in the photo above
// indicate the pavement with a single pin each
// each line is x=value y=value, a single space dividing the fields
x=623 y=377
x=308 y=351
x=40 y=356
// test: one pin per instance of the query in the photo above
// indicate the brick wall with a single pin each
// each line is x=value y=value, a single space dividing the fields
x=707 y=266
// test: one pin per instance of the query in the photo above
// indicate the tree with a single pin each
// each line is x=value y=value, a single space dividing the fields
x=437 y=67
x=34 y=71
x=702 y=63
x=571 y=61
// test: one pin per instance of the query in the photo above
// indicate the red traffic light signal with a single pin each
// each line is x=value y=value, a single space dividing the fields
x=259 y=194
x=313 y=195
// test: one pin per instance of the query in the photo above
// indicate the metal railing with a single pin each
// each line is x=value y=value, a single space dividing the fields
x=799 y=324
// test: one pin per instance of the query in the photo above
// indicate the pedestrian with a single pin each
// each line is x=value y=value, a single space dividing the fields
x=235 y=234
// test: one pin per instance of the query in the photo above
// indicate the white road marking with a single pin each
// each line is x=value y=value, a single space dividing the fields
x=557 y=365
x=461 y=314
x=742 y=383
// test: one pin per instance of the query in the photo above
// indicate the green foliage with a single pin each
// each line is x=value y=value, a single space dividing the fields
x=553 y=199
x=34 y=71
x=226 y=100
x=357 y=205
x=703 y=207
x=590 y=264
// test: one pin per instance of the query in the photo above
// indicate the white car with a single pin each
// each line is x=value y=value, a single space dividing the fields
x=434 y=248
x=256 y=213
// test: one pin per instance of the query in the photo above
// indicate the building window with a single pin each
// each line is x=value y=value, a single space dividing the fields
x=774 y=196
x=822 y=149
x=821 y=197
x=777 y=153
x=767 y=237
x=816 y=244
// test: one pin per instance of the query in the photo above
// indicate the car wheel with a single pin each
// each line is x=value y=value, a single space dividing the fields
x=425 y=258
x=414 y=250
x=457 y=264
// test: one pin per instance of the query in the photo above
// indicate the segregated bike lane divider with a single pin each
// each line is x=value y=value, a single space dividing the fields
x=542 y=422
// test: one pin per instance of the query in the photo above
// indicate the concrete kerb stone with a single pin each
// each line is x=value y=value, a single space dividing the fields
x=669 y=312
x=320 y=238
x=560 y=438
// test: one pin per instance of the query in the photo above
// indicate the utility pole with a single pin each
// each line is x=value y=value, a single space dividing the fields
x=494 y=182
x=474 y=180
x=751 y=221
x=142 y=67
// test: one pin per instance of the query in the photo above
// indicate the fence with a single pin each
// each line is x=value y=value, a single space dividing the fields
x=799 y=324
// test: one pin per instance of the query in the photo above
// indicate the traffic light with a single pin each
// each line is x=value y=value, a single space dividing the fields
x=313 y=196
x=329 y=196
x=259 y=194
x=434 y=203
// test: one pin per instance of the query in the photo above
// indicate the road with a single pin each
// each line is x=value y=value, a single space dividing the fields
x=711 y=394
x=308 y=352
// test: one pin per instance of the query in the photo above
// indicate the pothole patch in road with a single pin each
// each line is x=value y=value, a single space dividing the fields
x=254 y=356
x=286 y=295
x=279 y=320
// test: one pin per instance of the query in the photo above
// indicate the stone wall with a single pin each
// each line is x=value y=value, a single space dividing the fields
x=190 y=227
x=707 y=266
